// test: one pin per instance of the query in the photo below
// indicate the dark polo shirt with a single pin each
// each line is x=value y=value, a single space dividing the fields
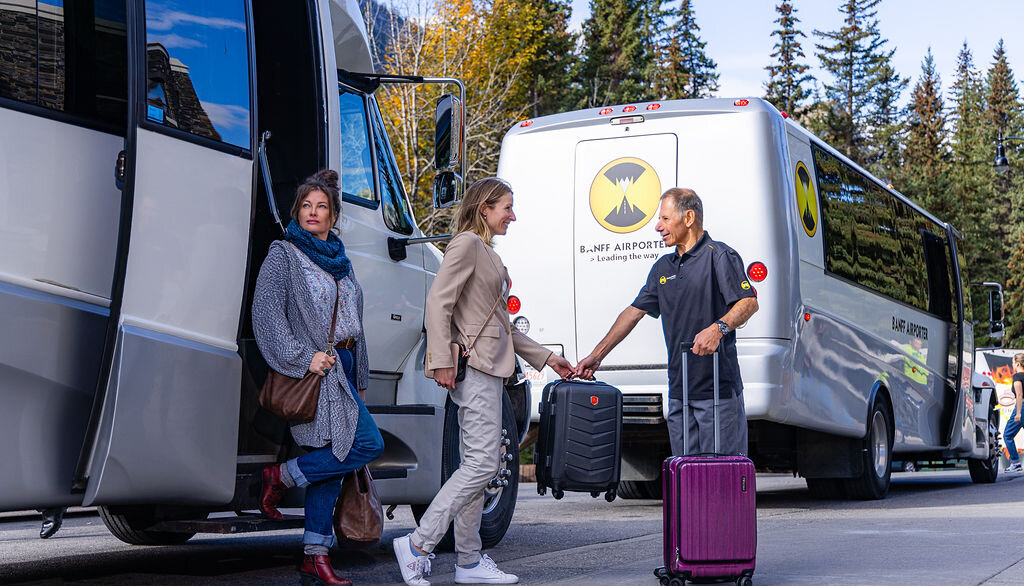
x=690 y=292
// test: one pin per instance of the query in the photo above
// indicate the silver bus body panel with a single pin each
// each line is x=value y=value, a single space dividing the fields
x=46 y=401
x=169 y=431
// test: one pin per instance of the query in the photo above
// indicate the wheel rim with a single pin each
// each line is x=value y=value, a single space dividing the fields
x=880 y=443
x=494 y=489
x=993 y=441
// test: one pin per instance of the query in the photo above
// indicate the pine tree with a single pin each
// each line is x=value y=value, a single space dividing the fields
x=549 y=73
x=886 y=128
x=1014 y=336
x=1004 y=113
x=686 y=70
x=925 y=153
x=613 y=60
x=970 y=180
x=855 y=57
x=787 y=76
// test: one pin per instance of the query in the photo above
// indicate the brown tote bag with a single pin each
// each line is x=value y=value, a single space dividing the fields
x=357 y=512
x=295 y=399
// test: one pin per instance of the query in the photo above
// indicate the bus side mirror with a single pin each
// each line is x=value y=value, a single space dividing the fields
x=995 y=313
x=449 y=118
x=447 y=189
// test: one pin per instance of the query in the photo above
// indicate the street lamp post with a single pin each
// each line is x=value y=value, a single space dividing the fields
x=1001 y=164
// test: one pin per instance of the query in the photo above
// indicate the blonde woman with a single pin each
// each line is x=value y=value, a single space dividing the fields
x=468 y=304
x=1013 y=424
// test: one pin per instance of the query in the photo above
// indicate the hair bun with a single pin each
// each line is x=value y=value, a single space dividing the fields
x=328 y=176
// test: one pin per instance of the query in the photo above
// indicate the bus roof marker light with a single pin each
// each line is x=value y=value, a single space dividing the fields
x=525 y=123
x=784 y=115
x=741 y=102
x=653 y=106
x=605 y=111
x=807 y=317
x=757 y=271
x=629 y=109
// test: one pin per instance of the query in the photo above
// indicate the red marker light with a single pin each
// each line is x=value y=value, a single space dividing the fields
x=514 y=305
x=525 y=123
x=629 y=109
x=807 y=317
x=741 y=102
x=653 y=106
x=757 y=272
x=784 y=115
x=605 y=111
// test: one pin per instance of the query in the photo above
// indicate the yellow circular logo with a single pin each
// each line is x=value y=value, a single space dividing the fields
x=663 y=280
x=806 y=201
x=745 y=285
x=624 y=195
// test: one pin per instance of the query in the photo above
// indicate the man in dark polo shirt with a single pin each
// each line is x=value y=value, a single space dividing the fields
x=702 y=295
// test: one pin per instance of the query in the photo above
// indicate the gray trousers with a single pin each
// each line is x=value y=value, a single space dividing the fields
x=462 y=497
x=732 y=419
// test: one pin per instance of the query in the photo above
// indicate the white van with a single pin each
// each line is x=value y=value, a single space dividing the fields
x=862 y=347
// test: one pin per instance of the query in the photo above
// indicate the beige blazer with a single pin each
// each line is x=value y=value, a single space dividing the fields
x=469 y=281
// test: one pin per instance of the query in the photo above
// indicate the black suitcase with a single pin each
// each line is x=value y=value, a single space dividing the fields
x=579 y=444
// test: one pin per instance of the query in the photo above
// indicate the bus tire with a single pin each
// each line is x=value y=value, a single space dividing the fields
x=499 y=503
x=639 y=489
x=875 y=454
x=124 y=522
x=986 y=471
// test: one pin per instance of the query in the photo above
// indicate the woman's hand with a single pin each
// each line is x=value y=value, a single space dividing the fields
x=321 y=363
x=561 y=366
x=445 y=377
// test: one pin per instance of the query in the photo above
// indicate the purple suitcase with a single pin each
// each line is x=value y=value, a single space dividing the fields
x=709 y=516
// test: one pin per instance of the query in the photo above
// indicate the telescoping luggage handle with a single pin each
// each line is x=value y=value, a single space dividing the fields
x=686 y=347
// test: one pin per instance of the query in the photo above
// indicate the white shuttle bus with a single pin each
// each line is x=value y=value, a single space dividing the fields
x=862 y=350
x=138 y=139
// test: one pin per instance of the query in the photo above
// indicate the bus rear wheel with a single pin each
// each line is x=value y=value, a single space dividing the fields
x=875 y=454
x=499 y=501
x=128 y=524
x=639 y=489
x=985 y=471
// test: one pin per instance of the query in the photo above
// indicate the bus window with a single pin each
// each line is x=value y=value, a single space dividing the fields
x=397 y=214
x=197 y=67
x=66 y=57
x=356 y=163
x=940 y=297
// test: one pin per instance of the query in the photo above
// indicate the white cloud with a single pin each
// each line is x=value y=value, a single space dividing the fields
x=226 y=116
x=164 y=20
x=175 y=41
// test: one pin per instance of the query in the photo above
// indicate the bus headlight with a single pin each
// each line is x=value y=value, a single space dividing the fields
x=522 y=324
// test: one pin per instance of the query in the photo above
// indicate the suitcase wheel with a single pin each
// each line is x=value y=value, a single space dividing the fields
x=609 y=496
x=595 y=494
x=557 y=494
x=677 y=581
x=744 y=581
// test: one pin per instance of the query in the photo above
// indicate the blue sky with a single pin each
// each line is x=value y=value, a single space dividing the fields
x=737 y=34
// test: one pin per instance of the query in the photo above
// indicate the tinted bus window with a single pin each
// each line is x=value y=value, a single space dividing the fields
x=876 y=240
x=356 y=162
x=397 y=214
x=197 y=68
x=69 y=57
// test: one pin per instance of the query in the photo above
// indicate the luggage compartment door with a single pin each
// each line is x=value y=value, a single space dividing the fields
x=165 y=429
x=617 y=187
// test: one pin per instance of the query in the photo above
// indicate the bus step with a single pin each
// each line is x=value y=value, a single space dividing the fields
x=627 y=409
x=641 y=399
x=230 y=524
x=643 y=420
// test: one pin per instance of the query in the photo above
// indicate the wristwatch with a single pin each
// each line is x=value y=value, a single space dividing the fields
x=722 y=327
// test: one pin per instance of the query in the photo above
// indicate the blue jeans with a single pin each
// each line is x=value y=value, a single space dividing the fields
x=320 y=472
x=1012 y=427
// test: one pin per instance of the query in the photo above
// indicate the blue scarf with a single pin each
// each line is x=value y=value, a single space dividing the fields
x=327 y=254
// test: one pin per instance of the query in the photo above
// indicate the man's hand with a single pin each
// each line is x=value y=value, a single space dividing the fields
x=561 y=366
x=706 y=341
x=586 y=367
x=445 y=377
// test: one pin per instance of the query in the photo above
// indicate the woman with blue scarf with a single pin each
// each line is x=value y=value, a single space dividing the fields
x=299 y=283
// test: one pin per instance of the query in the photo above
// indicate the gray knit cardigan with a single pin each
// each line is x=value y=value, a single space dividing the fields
x=289 y=331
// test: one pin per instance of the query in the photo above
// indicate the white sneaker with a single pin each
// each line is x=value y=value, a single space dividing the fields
x=414 y=567
x=486 y=572
x=1015 y=467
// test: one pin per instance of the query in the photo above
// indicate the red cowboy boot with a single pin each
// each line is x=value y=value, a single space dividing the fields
x=316 y=569
x=273 y=491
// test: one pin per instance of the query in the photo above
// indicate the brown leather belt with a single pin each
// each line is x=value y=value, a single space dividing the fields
x=346 y=344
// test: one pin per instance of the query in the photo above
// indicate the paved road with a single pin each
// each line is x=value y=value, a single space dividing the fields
x=935 y=528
